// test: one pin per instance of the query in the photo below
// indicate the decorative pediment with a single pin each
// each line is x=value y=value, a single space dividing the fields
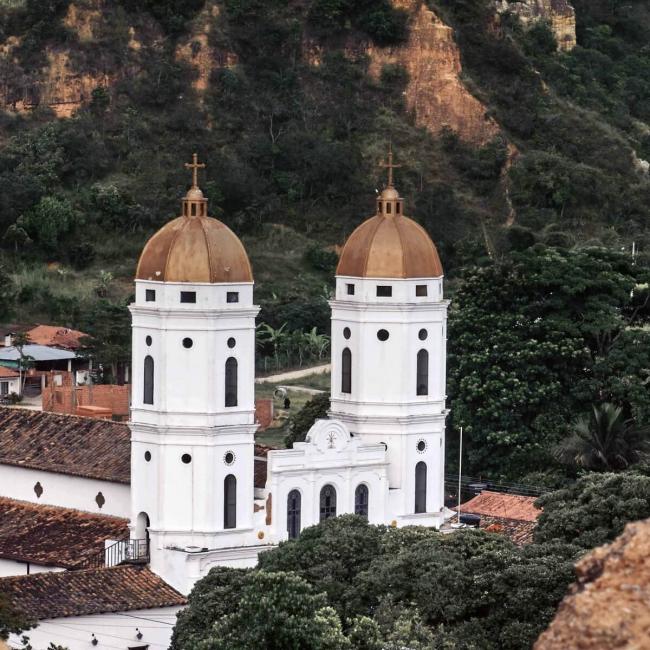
x=328 y=436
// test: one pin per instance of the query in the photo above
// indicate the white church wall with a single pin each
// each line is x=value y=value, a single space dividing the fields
x=15 y=568
x=112 y=631
x=65 y=490
x=329 y=456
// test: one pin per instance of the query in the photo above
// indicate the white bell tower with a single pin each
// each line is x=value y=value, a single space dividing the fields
x=193 y=403
x=389 y=321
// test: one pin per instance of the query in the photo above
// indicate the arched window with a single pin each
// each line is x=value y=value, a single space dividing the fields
x=346 y=371
x=293 y=514
x=361 y=500
x=231 y=382
x=230 y=502
x=148 y=380
x=421 y=487
x=327 y=502
x=423 y=373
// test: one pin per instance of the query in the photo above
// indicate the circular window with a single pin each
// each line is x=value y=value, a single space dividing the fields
x=148 y=340
x=231 y=342
x=186 y=458
x=187 y=342
x=422 y=445
x=346 y=333
x=147 y=456
x=422 y=335
x=229 y=458
x=383 y=335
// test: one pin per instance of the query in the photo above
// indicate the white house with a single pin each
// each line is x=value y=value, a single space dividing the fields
x=9 y=382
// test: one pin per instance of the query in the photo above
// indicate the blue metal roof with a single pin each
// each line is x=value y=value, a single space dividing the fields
x=37 y=352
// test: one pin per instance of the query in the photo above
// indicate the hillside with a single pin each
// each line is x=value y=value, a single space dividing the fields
x=514 y=121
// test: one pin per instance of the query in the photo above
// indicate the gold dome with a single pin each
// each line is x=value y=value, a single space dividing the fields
x=389 y=245
x=194 y=247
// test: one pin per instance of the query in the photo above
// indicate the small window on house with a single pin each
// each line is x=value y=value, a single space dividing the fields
x=293 y=514
x=346 y=333
x=384 y=291
x=346 y=371
x=100 y=500
x=186 y=458
x=147 y=456
x=148 y=340
x=38 y=489
x=194 y=209
x=350 y=289
x=187 y=343
x=150 y=295
x=421 y=290
x=421 y=487
x=422 y=335
x=388 y=208
x=383 y=335
x=232 y=296
x=4 y=388
x=398 y=208
x=422 y=379
x=381 y=207
x=231 y=342
x=188 y=296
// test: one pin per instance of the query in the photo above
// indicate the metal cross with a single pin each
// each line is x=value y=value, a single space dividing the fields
x=390 y=166
x=331 y=437
x=194 y=166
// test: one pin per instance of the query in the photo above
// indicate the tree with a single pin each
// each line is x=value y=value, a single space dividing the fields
x=300 y=423
x=277 y=611
x=593 y=510
x=19 y=341
x=12 y=621
x=49 y=222
x=605 y=440
x=533 y=339
x=267 y=335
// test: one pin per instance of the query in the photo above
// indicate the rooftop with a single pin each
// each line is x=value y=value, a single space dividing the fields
x=517 y=531
x=89 y=591
x=7 y=373
x=58 y=337
x=66 y=444
x=54 y=536
x=37 y=352
x=503 y=506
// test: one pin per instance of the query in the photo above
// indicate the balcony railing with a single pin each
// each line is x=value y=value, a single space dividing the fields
x=124 y=551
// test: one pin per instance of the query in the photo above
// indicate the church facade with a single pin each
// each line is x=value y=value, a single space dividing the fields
x=380 y=453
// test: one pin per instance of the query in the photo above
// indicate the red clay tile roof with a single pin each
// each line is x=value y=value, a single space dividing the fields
x=66 y=444
x=58 y=337
x=518 y=531
x=7 y=372
x=507 y=506
x=54 y=536
x=89 y=591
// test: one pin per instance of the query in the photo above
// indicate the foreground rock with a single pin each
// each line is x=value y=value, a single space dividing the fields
x=609 y=606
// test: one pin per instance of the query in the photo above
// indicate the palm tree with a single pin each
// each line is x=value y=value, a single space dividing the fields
x=605 y=441
x=274 y=337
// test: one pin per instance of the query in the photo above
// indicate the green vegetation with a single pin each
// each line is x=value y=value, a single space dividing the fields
x=300 y=423
x=11 y=620
x=594 y=509
x=376 y=588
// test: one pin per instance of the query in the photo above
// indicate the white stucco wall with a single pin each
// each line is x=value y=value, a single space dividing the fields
x=13 y=385
x=113 y=631
x=14 y=568
x=65 y=490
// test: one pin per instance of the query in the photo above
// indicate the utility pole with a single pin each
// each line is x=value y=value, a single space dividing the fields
x=460 y=467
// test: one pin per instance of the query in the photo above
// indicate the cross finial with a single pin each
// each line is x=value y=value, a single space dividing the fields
x=389 y=165
x=195 y=166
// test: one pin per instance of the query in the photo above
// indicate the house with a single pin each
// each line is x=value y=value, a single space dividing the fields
x=52 y=336
x=9 y=382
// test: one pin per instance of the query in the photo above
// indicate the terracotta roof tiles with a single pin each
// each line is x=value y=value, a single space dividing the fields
x=54 y=536
x=89 y=591
x=66 y=444
x=58 y=337
x=506 y=506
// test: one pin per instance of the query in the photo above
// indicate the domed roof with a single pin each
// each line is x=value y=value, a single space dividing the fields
x=389 y=245
x=194 y=247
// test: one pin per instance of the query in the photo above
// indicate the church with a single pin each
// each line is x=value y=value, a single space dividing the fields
x=192 y=491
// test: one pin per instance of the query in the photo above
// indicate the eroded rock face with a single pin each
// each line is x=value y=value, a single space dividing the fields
x=560 y=15
x=435 y=92
x=609 y=606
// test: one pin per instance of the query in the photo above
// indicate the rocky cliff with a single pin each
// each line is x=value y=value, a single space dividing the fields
x=435 y=93
x=559 y=14
x=609 y=606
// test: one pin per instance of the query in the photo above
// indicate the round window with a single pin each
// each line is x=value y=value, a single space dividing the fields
x=148 y=340
x=186 y=458
x=187 y=342
x=147 y=456
x=229 y=458
x=231 y=342
x=422 y=335
x=422 y=445
x=346 y=333
x=383 y=335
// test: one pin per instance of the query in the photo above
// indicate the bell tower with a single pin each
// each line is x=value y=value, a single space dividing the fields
x=389 y=322
x=193 y=404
